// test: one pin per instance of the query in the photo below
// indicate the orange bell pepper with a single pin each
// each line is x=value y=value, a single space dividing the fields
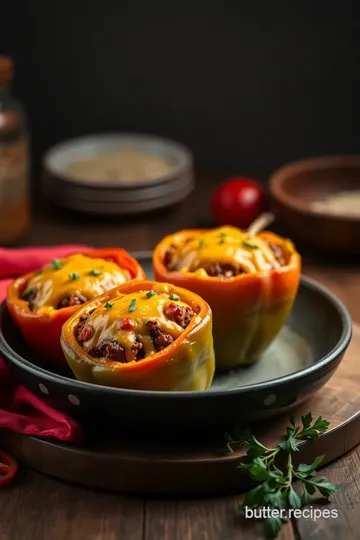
x=250 y=282
x=142 y=335
x=68 y=281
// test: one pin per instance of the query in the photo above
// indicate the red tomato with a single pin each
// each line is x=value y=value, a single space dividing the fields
x=8 y=469
x=238 y=202
x=127 y=324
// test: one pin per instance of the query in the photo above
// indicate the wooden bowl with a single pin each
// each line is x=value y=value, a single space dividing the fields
x=294 y=187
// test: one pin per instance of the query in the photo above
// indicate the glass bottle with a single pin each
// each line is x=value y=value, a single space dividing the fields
x=14 y=161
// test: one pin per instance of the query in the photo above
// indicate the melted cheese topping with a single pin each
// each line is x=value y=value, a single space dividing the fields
x=76 y=274
x=107 y=319
x=226 y=246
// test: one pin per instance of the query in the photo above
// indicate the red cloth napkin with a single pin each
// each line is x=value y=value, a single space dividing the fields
x=20 y=410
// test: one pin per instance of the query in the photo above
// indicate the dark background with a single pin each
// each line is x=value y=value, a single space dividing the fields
x=247 y=85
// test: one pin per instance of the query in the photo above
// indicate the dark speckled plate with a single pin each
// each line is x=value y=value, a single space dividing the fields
x=301 y=359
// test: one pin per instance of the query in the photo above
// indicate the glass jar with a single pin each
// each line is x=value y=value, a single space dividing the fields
x=14 y=161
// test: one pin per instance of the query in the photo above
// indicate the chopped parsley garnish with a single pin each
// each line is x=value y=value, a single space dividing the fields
x=94 y=272
x=74 y=275
x=56 y=264
x=201 y=243
x=174 y=296
x=108 y=305
x=223 y=234
x=250 y=245
x=150 y=294
x=274 y=481
x=27 y=292
x=132 y=305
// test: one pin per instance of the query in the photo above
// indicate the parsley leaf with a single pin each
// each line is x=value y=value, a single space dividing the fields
x=56 y=264
x=275 y=489
x=27 y=293
x=249 y=245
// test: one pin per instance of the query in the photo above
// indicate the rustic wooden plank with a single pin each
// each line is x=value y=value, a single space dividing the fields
x=345 y=475
x=207 y=519
x=40 y=508
x=51 y=225
x=343 y=281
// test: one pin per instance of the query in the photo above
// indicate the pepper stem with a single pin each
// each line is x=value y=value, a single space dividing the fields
x=260 y=223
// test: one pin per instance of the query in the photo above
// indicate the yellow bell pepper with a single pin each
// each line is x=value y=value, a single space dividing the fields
x=142 y=335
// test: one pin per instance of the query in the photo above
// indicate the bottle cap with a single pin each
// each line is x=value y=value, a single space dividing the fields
x=6 y=69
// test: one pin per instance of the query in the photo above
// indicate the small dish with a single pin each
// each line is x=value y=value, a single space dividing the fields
x=297 y=189
x=124 y=173
x=302 y=359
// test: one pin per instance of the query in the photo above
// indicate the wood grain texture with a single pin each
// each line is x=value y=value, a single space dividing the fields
x=345 y=474
x=214 y=519
x=37 y=508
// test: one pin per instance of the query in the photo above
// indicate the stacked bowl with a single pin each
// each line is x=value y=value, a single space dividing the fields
x=118 y=174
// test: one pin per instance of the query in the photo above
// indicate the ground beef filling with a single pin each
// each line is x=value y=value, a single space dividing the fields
x=169 y=258
x=223 y=270
x=170 y=255
x=30 y=296
x=279 y=253
x=179 y=314
x=160 y=339
x=75 y=299
x=112 y=350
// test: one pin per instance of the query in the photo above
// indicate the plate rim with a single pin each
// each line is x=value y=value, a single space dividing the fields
x=185 y=163
x=327 y=360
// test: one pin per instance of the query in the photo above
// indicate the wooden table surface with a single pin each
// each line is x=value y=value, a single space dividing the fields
x=37 y=507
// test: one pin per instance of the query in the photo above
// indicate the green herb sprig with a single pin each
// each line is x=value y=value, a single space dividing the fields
x=275 y=486
x=27 y=293
x=74 y=276
x=94 y=272
x=56 y=264
x=249 y=245
x=108 y=305
x=222 y=235
x=132 y=305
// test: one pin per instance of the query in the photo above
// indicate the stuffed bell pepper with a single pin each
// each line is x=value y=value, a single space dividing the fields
x=142 y=335
x=40 y=302
x=249 y=280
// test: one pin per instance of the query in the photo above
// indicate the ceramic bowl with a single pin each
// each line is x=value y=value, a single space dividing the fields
x=301 y=360
x=117 y=197
x=295 y=187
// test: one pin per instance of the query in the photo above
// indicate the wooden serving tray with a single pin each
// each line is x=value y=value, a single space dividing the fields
x=144 y=466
